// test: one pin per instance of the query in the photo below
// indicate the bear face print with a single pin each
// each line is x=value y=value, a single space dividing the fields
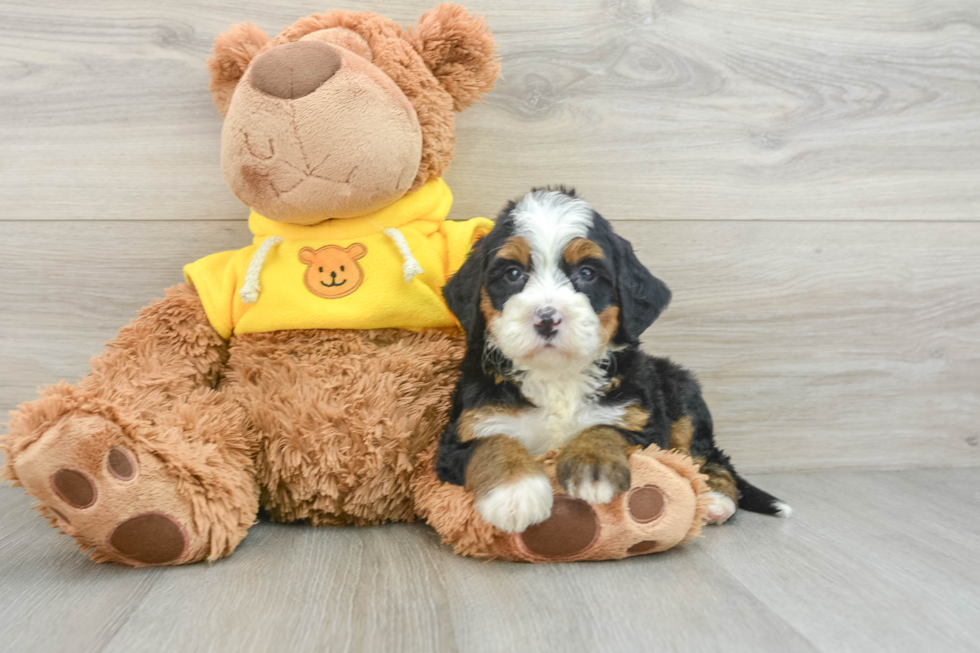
x=333 y=271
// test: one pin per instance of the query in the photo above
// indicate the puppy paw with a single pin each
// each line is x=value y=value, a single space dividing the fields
x=720 y=509
x=593 y=481
x=515 y=505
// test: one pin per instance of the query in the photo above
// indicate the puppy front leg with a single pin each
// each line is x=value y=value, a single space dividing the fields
x=510 y=488
x=594 y=466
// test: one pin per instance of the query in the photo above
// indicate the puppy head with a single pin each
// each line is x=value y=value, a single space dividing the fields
x=552 y=287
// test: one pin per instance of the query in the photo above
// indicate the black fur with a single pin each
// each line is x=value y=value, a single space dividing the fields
x=665 y=390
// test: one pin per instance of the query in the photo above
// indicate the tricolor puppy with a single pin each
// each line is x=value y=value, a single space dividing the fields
x=553 y=304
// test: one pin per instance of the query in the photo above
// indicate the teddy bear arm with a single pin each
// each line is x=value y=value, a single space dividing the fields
x=169 y=349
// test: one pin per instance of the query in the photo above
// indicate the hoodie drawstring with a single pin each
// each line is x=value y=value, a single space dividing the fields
x=410 y=267
x=251 y=288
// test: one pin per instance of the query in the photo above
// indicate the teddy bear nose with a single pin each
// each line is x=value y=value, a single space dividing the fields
x=293 y=70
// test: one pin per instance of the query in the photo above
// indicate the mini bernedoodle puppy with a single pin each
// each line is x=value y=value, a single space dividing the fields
x=553 y=304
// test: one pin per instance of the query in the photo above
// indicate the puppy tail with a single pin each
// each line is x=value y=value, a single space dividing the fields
x=753 y=499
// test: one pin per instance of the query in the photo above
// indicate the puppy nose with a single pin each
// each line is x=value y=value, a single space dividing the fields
x=293 y=70
x=547 y=319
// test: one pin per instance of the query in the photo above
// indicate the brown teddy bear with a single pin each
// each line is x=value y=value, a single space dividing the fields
x=306 y=373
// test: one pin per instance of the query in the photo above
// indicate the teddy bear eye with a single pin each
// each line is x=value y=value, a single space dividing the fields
x=321 y=269
x=341 y=268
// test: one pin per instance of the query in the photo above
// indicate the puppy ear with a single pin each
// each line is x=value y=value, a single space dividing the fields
x=462 y=292
x=233 y=52
x=459 y=50
x=642 y=296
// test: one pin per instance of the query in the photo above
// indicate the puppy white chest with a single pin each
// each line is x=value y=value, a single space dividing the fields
x=564 y=407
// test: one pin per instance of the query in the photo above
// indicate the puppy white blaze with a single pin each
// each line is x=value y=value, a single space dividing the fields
x=548 y=221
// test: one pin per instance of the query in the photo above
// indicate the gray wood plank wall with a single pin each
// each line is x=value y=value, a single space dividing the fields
x=805 y=176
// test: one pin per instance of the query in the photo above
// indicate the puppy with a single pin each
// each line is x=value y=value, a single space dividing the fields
x=553 y=304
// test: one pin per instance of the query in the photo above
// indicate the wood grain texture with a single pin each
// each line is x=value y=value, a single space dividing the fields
x=870 y=562
x=697 y=109
x=819 y=345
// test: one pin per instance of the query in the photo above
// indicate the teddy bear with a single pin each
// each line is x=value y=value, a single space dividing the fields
x=309 y=374
x=304 y=373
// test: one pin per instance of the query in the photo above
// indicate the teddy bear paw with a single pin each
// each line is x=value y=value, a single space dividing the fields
x=107 y=494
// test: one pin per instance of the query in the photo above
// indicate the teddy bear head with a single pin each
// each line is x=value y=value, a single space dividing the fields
x=344 y=113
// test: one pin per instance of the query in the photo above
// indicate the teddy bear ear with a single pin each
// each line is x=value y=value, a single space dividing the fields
x=459 y=50
x=233 y=51
x=306 y=255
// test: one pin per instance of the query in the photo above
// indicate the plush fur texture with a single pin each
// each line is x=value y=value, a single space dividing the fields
x=233 y=52
x=164 y=453
x=340 y=417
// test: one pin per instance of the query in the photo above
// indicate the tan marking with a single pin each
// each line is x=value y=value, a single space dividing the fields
x=516 y=249
x=580 y=249
x=614 y=383
x=489 y=313
x=486 y=307
x=636 y=418
x=598 y=447
x=681 y=433
x=720 y=480
x=498 y=460
x=469 y=420
x=609 y=322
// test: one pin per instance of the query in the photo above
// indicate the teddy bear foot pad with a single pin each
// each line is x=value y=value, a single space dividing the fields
x=100 y=490
x=574 y=527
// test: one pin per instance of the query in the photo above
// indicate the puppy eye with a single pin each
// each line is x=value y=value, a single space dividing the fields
x=513 y=274
x=586 y=273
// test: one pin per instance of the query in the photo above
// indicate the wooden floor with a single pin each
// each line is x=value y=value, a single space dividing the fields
x=874 y=561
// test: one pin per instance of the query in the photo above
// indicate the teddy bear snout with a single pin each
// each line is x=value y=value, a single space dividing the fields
x=294 y=70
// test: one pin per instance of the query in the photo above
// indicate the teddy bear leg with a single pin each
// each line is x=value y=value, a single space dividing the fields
x=144 y=462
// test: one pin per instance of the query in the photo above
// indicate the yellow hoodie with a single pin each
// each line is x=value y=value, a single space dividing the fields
x=385 y=269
